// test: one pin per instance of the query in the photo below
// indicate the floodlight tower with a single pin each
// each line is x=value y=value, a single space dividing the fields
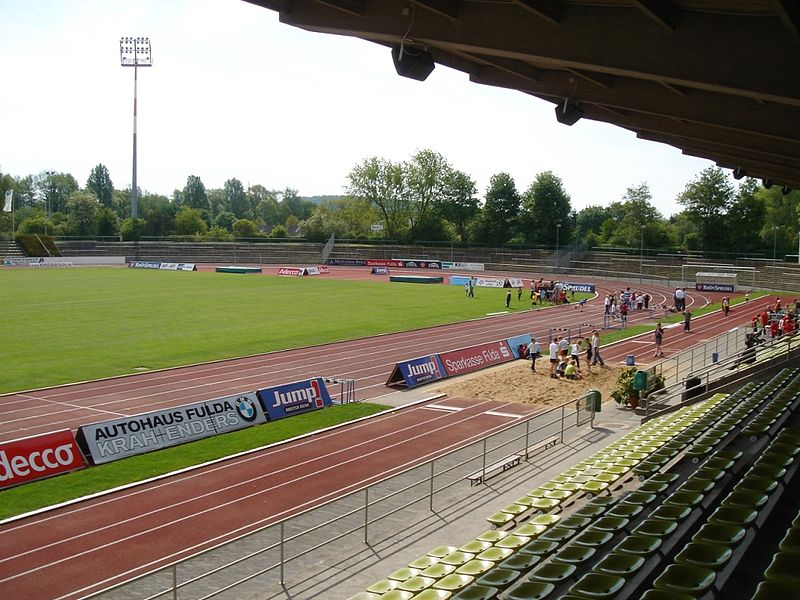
x=135 y=52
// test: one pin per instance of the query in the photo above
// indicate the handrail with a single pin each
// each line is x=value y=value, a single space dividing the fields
x=449 y=476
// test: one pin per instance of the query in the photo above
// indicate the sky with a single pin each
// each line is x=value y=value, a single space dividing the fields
x=235 y=93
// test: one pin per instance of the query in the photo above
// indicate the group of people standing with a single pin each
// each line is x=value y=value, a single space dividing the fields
x=565 y=356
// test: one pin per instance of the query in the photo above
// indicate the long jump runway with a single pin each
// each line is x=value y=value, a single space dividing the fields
x=85 y=547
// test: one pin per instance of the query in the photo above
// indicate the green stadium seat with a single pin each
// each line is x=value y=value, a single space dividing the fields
x=612 y=524
x=790 y=541
x=513 y=542
x=574 y=522
x=500 y=518
x=475 y=546
x=716 y=533
x=433 y=594
x=539 y=547
x=733 y=515
x=589 y=511
x=756 y=484
x=640 y=545
x=603 y=501
x=530 y=530
x=594 y=487
x=622 y=565
x=592 y=538
x=458 y=558
x=552 y=572
x=423 y=562
x=441 y=551
x=545 y=504
x=545 y=519
x=667 y=478
x=531 y=590
x=515 y=509
x=453 y=582
x=708 y=473
x=745 y=498
x=700 y=486
x=784 y=567
x=404 y=573
x=364 y=596
x=598 y=585
x=684 y=498
x=498 y=578
x=475 y=567
x=664 y=595
x=416 y=584
x=383 y=586
x=655 y=527
x=776 y=590
x=492 y=535
x=625 y=510
x=574 y=555
x=396 y=595
x=520 y=561
x=476 y=592
x=557 y=534
x=703 y=554
x=685 y=579
x=653 y=487
x=494 y=554
x=438 y=570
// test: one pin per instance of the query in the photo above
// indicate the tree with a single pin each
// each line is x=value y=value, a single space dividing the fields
x=107 y=222
x=194 y=194
x=225 y=220
x=745 y=217
x=637 y=220
x=346 y=217
x=132 y=230
x=245 y=228
x=500 y=210
x=380 y=182
x=590 y=219
x=82 y=209
x=236 y=199
x=707 y=200
x=458 y=202
x=546 y=205
x=293 y=204
x=100 y=184
x=425 y=175
x=189 y=221
x=267 y=211
x=279 y=231
x=159 y=213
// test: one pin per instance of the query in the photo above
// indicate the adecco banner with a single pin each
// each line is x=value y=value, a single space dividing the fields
x=118 y=438
x=477 y=357
x=417 y=371
x=294 y=398
x=39 y=456
x=290 y=271
x=579 y=287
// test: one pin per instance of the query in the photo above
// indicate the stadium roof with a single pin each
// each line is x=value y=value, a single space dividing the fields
x=718 y=79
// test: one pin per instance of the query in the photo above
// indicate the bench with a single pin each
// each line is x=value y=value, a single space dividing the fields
x=512 y=460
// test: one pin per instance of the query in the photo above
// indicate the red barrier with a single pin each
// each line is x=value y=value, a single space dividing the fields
x=473 y=358
x=39 y=456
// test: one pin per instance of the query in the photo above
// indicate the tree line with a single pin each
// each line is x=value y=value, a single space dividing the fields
x=420 y=199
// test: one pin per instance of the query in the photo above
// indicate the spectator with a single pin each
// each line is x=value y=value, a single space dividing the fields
x=596 y=358
x=726 y=306
x=534 y=352
x=571 y=370
x=563 y=347
x=553 y=357
x=508 y=298
x=623 y=314
x=561 y=368
x=658 y=337
x=687 y=320
x=588 y=345
x=522 y=351
x=575 y=353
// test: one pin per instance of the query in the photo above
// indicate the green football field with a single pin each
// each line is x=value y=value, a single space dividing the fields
x=65 y=325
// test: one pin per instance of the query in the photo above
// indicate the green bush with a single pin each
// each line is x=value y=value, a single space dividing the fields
x=32 y=245
x=624 y=390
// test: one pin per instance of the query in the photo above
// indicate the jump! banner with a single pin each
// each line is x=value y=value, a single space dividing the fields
x=417 y=371
x=118 y=438
x=294 y=398
x=31 y=458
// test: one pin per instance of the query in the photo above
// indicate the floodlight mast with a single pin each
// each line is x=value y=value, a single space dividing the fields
x=135 y=52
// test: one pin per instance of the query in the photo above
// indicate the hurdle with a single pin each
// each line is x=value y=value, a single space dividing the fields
x=608 y=323
x=557 y=330
x=347 y=389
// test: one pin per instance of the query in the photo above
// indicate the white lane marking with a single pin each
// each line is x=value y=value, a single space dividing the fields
x=442 y=407
x=494 y=413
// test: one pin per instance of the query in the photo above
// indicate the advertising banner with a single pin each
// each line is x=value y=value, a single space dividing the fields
x=42 y=263
x=417 y=371
x=374 y=262
x=117 y=438
x=463 y=266
x=379 y=271
x=32 y=458
x=418 y=264
x=579 y=287
x=290 y=271
x=178 y=267
x=477 y=357
x=144 y=264
x=715 y=287
x=346 y=262
x=294 y=398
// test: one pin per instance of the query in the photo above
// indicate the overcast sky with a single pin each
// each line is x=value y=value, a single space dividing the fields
x=234 y=93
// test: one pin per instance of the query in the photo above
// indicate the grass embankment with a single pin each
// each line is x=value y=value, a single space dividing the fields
x=48 y=492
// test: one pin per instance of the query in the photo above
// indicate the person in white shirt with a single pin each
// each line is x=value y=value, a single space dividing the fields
x=596 y=358
x=575 y=353
x=553 y=357
x=534 y=351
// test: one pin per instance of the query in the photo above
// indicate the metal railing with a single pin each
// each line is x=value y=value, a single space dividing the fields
x=738 y=364
x=362 y=518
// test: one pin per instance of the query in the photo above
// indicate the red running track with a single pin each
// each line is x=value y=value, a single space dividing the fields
x=75 y=550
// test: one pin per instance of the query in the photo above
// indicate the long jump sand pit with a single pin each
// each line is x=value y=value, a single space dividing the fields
x=515 y=382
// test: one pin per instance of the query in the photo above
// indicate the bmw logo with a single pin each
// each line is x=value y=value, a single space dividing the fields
x=246 y=408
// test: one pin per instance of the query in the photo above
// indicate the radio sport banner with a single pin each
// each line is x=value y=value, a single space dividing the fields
x=473 y=358
x=127 y=436
x=294 y=398
x=39 y=456
x=417 y=371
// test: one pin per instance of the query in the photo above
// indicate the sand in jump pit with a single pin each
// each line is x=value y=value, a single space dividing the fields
x=515 y=382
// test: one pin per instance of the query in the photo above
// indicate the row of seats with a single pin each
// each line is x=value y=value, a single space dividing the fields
x=782 y=578
x=607 y=540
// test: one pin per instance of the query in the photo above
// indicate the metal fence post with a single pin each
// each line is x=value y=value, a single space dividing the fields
x=431 y=493
x=175 y=581
x=366 y=514
x=483 y=468
x=283 y=538
x=562 y=424
x=527 y=437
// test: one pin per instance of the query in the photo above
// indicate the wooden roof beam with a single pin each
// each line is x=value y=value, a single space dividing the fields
x=351 y=7
x=549 y=10
x=789 y=13
x=445 y=8
x=662 y=12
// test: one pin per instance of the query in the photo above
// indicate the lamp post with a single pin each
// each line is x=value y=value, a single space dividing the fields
x=641 y=255
x=774 y=243
x=558 y=231
x=135 y=52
